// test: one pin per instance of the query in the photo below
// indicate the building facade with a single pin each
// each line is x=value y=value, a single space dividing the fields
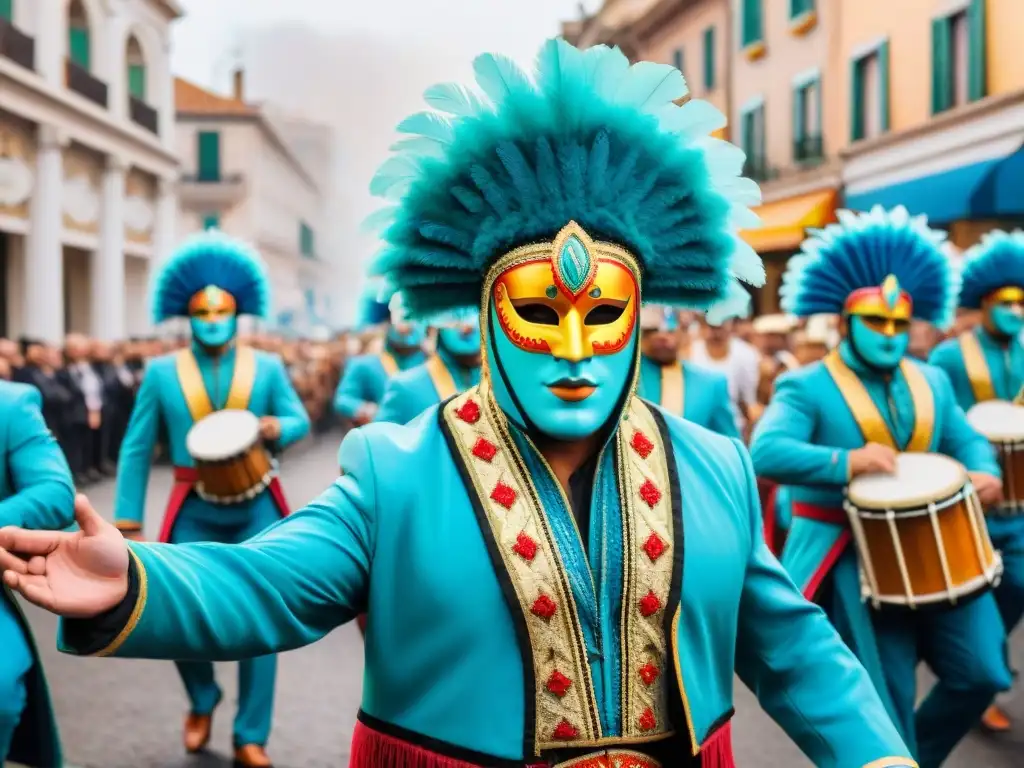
x=87 y=163
x=242 y=174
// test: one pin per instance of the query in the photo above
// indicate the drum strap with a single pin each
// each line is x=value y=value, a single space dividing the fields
x=977 y=369
x=390 y=366
x=194 y=389
x=441 y=377
x=872 y=426
x=673 y=388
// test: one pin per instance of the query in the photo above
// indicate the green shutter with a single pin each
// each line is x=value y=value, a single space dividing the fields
x=977 y=53
x=883 y=86
x=677 y=59
x=942 y=75
x=208 y=163
x=211 y=221
x=856 y=100
x=7 y=9
x=799 y=120
x=762 y=143
x=137 y=81
x=747 y=139
x=751 y=22
x=798 y=7
x=709 y=58
x=79 y=47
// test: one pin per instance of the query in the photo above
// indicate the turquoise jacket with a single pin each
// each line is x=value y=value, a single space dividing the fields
x=706 y=395
x=36 y=492
x=1005 y=366
x=449 y=635
x=365 y=378
x=411 y=392
x=162 y=398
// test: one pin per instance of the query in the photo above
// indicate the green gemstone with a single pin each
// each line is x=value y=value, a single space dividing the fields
x=551 y=292
x=595 y=293
x=574 y=264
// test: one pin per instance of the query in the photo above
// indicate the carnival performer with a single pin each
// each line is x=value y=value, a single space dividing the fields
x=987 y=363
x=683 y=389
x=36 y=492
x=365 y=377
x=521 y=548
x=212 y=279
x=454 y=367
x=848 y=416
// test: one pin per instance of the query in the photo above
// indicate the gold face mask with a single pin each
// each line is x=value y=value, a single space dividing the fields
x=212 y=304
x=573 y=299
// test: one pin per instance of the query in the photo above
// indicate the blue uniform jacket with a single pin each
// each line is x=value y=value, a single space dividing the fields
x=37 y=493
x=411 y=392
x=364 y=381
x=1005 y=366
x=706 y=395
x=443 y=639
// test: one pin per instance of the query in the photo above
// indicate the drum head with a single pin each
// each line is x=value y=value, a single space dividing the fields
x=920 y=479
x=222 y=434
x=999 y=420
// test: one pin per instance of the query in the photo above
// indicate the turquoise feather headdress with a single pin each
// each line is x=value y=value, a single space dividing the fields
x=211 y=258
x=589 y=139
x=997 y=261
x=373 y=305
x=861 y=251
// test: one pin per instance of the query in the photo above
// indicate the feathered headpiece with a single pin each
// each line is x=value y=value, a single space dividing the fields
x=589 y=139
x=997 y=261
x=211 y=258
x=373 y=306
x=862 y=251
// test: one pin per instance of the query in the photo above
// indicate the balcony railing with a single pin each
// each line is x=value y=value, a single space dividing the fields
x=81 y=81
x=808 y=150
x=757 y=168
x=212 y=192
x=16 y=45
x=207 y=178
x=143 y=114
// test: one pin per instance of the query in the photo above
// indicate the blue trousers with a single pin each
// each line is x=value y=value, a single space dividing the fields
x=966 y=649
x=201 y=521
x=15 y=662
x=1007 y=535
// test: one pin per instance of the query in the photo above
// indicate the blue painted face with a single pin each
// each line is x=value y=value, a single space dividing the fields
x=880 y=347
x=461 y=340
x=1007 y=319
x=212 y=314
x=214 y=333
x=406 y=334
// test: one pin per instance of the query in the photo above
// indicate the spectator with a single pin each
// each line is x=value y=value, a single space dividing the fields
x=85 y=416
x=738 y=360
x=118 y=398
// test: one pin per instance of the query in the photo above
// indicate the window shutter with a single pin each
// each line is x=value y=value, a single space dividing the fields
x=762 y=138
x=751 y=22
x=7 y=9
x=799 y=121
x=209 y=155
x=977 y=71
x=709 y=58
x=942 y=82
x=748 y=134
x=137 y=81
x=883 y=86
x=78 y=46
x=677 y=59
x=856 y=100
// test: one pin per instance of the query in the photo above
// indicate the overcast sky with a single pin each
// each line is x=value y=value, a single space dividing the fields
x=359 y=65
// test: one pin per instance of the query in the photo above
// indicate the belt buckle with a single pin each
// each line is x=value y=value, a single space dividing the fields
x=611 y=758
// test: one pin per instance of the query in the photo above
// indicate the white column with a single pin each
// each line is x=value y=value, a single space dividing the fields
x=163 y=99
x=51 y=35
x=115 y=66
x=107 y=266
x=165 y=222
x=44 y=256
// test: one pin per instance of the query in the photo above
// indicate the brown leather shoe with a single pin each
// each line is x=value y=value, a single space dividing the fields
x=995 y=720
x=197 y=731
x=252 y=756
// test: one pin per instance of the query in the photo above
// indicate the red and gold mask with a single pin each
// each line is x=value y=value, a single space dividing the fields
x=212 y=303
x=885 y=308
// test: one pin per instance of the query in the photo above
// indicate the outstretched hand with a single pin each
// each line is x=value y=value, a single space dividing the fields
x=77 y=575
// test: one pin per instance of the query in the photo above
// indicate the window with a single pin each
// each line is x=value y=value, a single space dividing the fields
x=211 y=221
x=807 y=145
x=709 y=58
x=798 y=8
x=78 y=45
x=750 y=20
x=677 y=60
x=208 y=155
x=7 y=9
x=306 y=241
x=137 y=81
x=869 y=94
x=958 y=58
x=753 y=141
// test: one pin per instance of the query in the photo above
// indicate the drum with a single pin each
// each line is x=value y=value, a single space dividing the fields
x=1002 y=422
x=231 y=463
x=921 y=534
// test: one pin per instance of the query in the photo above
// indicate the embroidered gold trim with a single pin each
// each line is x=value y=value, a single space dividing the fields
x=891 y=762
x=441 y=377
x=673 y=389
x=647 y=545
x=976 y=367
x=388 y=362
x=136 y=615
x=677 y=665
x=190 y=378
x=866 y=414
x=242 y=380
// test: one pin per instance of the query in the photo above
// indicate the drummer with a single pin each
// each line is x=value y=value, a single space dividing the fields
x=847 y=416
x=211 y=279
x=987 y=363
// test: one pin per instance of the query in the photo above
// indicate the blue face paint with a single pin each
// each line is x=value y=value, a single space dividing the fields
x=406 y=334
x=1005 y=320
x=214 y=333
x=878 y=349
x=522 y=382
x=461 y=340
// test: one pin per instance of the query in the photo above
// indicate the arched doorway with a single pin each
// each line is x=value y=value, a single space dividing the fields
x=136 y=63
x=79 y=38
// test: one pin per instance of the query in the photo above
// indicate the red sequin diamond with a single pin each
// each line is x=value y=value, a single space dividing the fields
x=484 y=449
x=565 y=732
x=649 y=493
x=649 y=673
x=525 y=547
x=647 y=720
x=642 y=444
x=469 y=412
x=649 y=604
x=544 y=607
x=558 y=684
x=504 y=495
x=654 y=547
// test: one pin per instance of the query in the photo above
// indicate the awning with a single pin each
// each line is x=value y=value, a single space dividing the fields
x=1001 y=192
x=784 y=222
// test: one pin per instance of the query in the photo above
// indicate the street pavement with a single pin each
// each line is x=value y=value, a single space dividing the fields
x=128 y=714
